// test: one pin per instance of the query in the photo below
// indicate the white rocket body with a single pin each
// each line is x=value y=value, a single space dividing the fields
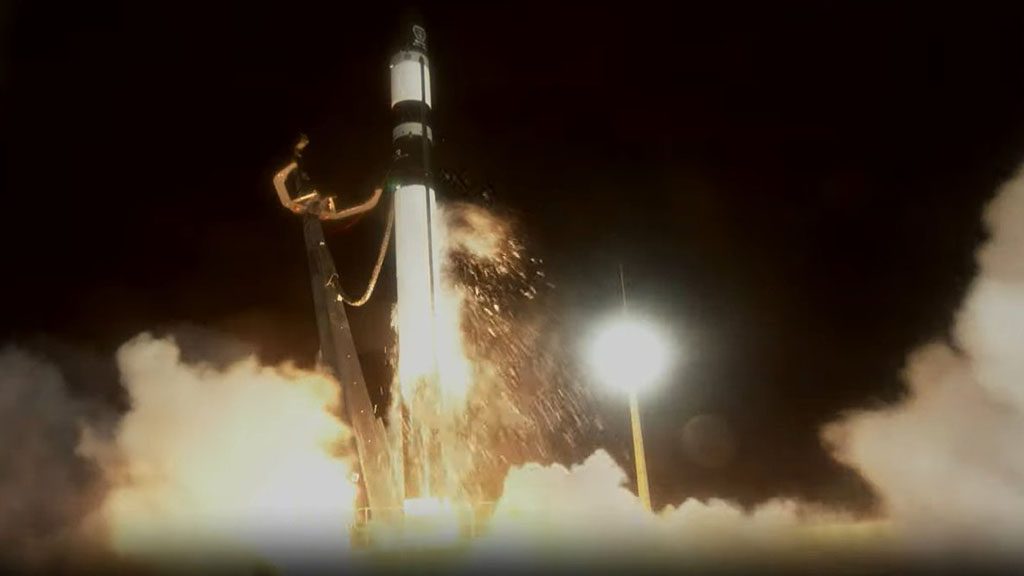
x=418 y=266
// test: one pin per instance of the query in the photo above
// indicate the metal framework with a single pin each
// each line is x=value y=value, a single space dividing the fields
x=337 y=348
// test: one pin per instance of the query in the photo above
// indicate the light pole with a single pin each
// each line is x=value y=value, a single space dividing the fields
x=630 y=354
x=642 y=488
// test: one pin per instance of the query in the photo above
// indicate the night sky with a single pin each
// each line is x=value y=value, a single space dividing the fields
x=795 y=192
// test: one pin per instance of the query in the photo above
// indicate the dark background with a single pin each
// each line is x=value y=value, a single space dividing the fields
x=795 y=191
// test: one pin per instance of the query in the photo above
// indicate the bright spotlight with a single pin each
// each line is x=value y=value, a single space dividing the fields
x=629 y=354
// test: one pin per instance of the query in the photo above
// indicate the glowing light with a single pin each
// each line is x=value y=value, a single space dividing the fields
x=629 y=354
x=426 y=507
x=429 y=523
x=240 y=460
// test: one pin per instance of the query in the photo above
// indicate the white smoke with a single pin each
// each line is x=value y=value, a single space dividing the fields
x=947 y=461
x=214 y=465
x=226 y=463
x=587 y=513
x=46 y=490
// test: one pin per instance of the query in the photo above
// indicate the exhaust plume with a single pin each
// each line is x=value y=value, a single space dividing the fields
x=947 y=461
x=233 y=463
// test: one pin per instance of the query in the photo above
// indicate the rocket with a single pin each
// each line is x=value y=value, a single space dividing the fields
x=417 y=256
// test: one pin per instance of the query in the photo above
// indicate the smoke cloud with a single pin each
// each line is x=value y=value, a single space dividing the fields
x=586 y=511
x=219 y=464
x=225 y=463
x=947 y=461
x=46 y=489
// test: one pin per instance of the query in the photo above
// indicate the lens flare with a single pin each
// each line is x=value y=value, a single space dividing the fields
x=629 y=353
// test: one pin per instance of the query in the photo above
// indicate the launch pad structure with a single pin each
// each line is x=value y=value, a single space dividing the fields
x=385 y=479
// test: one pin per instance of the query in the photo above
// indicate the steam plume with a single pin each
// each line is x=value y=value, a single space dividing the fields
x=240 y=462
x=947 y=461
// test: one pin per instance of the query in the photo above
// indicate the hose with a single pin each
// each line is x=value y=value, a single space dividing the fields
x=375 y=274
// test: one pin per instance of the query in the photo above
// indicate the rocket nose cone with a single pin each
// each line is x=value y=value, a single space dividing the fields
x=413 y=33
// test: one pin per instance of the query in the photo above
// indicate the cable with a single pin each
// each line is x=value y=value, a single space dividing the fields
x=375 y=274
